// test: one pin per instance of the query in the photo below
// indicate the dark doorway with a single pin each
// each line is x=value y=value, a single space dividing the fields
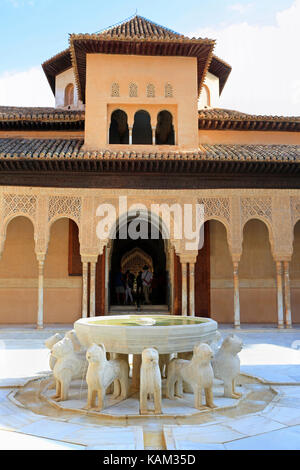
x=142 y=131
x=153 y=249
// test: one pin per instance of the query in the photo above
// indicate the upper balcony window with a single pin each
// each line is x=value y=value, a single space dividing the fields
x=165 y=134
x=142 y=130
x=119 y=131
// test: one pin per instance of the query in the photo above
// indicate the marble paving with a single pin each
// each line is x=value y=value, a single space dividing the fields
x=269 y=418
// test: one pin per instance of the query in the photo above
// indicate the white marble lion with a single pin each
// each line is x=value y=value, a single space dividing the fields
x=102 y=373
x=150 y=381
x=197 y=373
x=226 y=364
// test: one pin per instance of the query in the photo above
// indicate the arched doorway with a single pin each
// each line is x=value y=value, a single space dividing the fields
x=133 y=255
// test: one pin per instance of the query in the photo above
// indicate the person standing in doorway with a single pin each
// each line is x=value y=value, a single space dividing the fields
x=129 y=281
x=139 y=289
x=147 y=280
x=119 y=286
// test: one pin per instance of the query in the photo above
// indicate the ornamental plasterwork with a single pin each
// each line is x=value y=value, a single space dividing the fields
x=216 y=207
x=168 y=90
x=133 y=90
x=150 y=90
x=115 y=90
x=64 y=206
x=252 y=207
x=19 y=204
x=295 y=209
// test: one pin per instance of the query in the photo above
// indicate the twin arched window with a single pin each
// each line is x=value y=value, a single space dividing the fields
x=142 y=130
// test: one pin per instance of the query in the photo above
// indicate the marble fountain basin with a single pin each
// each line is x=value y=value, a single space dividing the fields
x=131 y=334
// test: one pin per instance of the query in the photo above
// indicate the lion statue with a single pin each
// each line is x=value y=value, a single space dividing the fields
x=102 y=373
x=197 y=373
x=150 y=381
x=68 y=366
x=226 y=364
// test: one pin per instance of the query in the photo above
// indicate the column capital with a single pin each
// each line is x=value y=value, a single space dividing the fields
x=40 y=257
x=89 y=258
x=278 y=258
x=188 y=257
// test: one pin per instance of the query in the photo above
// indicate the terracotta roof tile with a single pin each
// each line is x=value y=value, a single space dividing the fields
x=138 y=26
x=217 y=118
x=72 y=149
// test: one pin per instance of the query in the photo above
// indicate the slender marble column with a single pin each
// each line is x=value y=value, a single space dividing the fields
x=93 y=290
x=40 y=319
x=287 y=295
x=153 y=135
x=192 y=289
x=279 y=294
x=184 y=288
x=84 y=289
x=130 y=135
x=236 y=288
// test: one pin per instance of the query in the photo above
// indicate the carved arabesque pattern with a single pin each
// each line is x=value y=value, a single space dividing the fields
x=133 y=90
x=64 y=206
x=252 y=207
x=19 y=204
x=115 y=89
x=216 y=207
x=168 y=90
x=150 y=90
x=295 y=209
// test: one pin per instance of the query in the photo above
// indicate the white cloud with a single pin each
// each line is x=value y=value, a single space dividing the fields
x=241 y=8
x=26 y=88
x=265 y=77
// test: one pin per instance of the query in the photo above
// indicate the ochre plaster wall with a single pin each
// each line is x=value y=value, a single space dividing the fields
x=104 y=70
x=18 y=277
x=248 y=137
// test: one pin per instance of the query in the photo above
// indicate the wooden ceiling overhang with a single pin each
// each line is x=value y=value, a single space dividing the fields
x=220 y=69
x=56 y=65
x=83 y=44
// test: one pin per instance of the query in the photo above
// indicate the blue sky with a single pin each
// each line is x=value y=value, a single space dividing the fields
x=34 y=30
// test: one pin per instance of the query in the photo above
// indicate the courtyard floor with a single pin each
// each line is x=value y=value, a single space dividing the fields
x=269 y=354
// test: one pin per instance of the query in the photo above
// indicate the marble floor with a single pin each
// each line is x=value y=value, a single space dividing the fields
x=271 y=355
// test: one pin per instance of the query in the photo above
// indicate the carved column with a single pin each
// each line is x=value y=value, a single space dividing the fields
x=130 y=135
x=93 y=290
x=40 y=316
x=236 y=293
x=287 y=295
x=153 y=135
x=84 y=289
x=184 y=288
x=192 y=289
x=279 y=294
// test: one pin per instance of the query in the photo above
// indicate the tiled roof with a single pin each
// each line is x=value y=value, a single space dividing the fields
x=57 y=64
x=221 y=69
x=138 y=36
x=12 y=117
x=224 y=119
x=71 y=149
x=138 y=26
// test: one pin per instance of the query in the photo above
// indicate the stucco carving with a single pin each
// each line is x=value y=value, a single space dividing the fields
x=64 y=206
x=252 y=207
